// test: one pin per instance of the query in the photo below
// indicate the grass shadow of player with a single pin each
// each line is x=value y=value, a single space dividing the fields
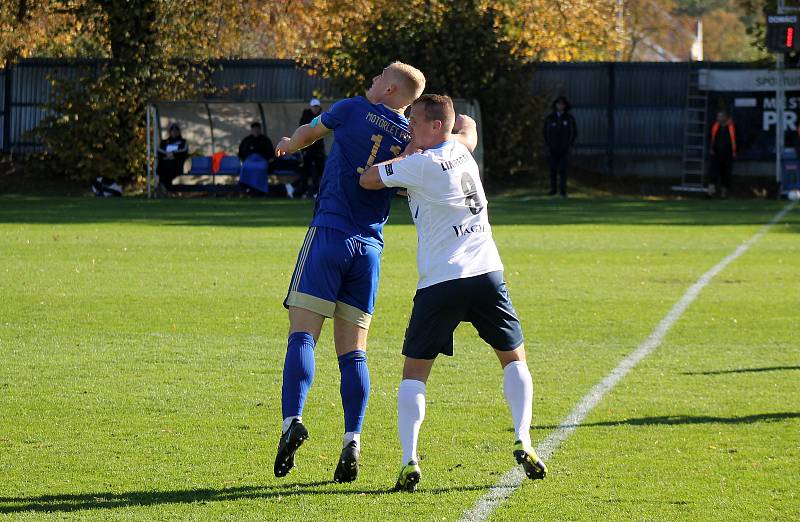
x=113 y=500
x=676 y=420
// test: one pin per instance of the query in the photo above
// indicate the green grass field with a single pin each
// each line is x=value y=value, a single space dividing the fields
x=141 y=346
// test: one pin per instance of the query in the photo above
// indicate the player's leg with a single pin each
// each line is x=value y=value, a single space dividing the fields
x=352 y=316
x=411 y=404
x=497 y=323
x=410 y=414
x=307 y=306
x=298 y=375
x=299 y=365
x=437 y=312
x=309 y=300
x=351 y=350
x=518 y=391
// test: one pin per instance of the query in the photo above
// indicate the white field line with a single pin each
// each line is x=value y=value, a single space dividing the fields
x=509 y=482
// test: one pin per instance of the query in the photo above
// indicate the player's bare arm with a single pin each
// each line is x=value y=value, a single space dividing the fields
x=466 y=131
x=371 y=178
x=304 y=136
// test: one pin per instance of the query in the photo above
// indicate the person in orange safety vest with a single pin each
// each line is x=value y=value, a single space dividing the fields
x=723 y=152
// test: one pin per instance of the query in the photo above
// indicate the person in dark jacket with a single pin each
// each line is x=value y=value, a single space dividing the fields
x=313 y=155
x=257 y=153
x=172 y=153
x=560 y=132
x=723 y=152
x=256 y=143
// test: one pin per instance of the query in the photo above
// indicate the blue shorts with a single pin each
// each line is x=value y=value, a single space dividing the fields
x=336 y=275
x=438 y=309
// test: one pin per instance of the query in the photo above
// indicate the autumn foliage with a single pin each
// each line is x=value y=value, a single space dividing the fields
x=479 y=49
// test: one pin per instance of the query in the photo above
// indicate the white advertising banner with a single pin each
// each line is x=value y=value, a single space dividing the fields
x=747 y=80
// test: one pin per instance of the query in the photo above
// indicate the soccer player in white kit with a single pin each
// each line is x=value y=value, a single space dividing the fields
x=460 y=274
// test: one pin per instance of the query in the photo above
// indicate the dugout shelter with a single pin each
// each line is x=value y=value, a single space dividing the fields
x=211 y=127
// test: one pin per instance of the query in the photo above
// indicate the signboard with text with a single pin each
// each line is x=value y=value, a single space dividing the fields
x=782 y=33
x=749 y=96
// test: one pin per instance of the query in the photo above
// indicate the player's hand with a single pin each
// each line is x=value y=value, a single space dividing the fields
x=283 y=148
x=462 y=120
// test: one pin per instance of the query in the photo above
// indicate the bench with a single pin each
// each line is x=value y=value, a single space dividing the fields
x=201 y=176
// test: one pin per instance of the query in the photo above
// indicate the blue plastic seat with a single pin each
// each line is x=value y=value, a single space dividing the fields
x=229 y=166
x=201 y=166
x=288 y=165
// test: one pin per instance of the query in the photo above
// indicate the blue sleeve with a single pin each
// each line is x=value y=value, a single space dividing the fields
x=338 y=113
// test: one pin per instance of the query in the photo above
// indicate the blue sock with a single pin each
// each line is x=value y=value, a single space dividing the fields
x=354 y=389
x=298 y=373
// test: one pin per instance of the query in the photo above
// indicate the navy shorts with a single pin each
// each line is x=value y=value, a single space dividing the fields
x=336 y=275
x=438 y=309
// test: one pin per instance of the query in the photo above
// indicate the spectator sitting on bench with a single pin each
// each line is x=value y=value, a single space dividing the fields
x=172 y=153
x=256 y=143
x=256 y=152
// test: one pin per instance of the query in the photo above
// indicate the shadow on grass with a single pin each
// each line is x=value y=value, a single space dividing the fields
x=746 y=370
x=675 y=420
x=109 y=500
x=271 y=212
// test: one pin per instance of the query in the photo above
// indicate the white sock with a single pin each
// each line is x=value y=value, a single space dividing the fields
x=351 y=436
x=518 y=388
x=288 y=422
x=410 y=414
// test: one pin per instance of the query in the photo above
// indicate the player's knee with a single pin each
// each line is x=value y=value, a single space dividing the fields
x=417 y=369
x=348 y=336
x=302 y=320
x=506 y=357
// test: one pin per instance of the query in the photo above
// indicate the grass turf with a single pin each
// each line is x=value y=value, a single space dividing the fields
x=142 y=342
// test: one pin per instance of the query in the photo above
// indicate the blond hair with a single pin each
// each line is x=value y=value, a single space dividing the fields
x=410 y=80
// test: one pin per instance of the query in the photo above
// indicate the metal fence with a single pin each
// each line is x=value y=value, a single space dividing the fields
x=251 y=80
x=26 y=89
x=621 y=108
x=4 y=145
x=624 y=109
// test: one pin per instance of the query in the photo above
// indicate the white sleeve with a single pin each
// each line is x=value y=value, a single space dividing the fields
x=406 y=173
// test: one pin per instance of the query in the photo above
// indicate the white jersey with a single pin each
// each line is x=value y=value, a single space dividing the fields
x=447 y=202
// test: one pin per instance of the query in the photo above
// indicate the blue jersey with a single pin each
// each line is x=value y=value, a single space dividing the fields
x=364 y=134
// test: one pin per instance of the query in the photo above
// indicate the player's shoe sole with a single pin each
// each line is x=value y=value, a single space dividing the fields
x=410 y=475
x=292 y=439
x=530 y=461
x=347 y=468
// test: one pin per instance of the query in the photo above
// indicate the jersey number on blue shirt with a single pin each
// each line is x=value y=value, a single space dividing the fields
x=376 y=140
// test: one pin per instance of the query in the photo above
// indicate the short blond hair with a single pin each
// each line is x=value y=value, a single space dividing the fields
x=410 y=80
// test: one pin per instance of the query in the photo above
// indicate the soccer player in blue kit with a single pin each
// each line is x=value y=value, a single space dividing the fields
x=337 y=270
